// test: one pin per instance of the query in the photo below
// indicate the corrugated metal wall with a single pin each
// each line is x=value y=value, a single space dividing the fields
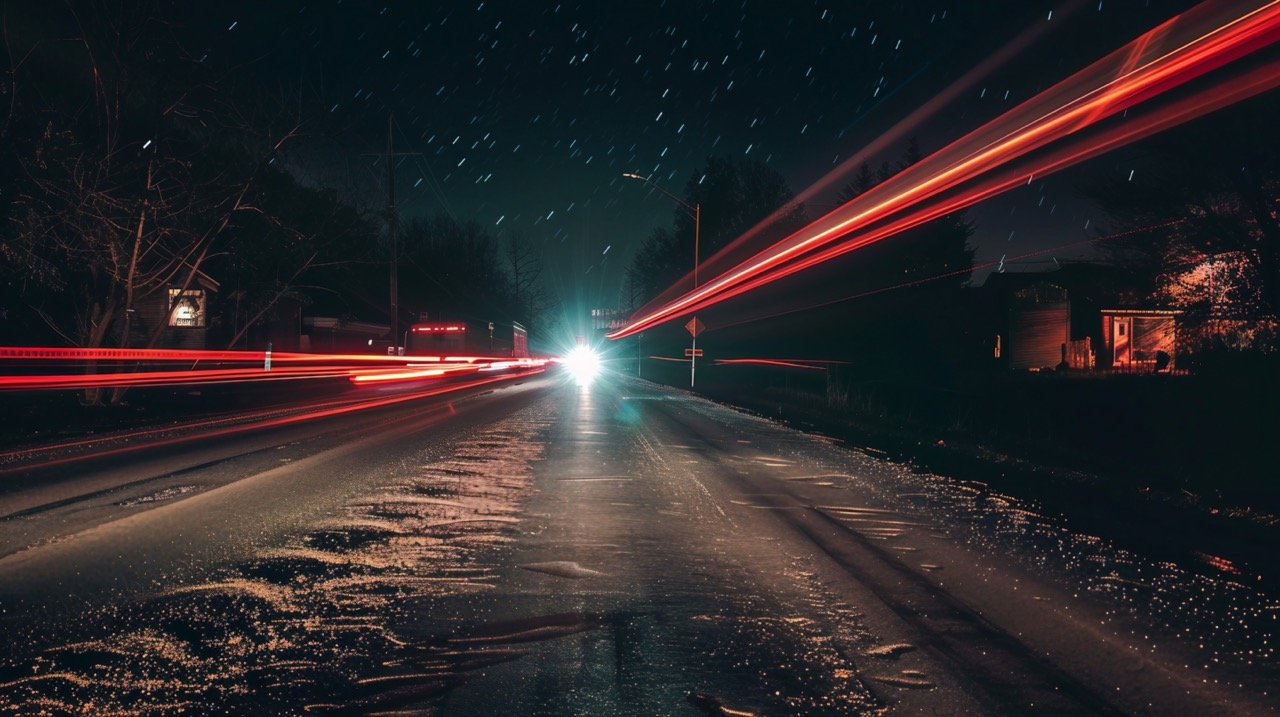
x=1152 y=334
x=1036 y=335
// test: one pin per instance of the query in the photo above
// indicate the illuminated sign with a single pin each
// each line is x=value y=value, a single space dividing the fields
x=187 y=308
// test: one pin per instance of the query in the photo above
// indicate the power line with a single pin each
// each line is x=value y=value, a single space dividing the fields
x=957 y=272
x=392 y=222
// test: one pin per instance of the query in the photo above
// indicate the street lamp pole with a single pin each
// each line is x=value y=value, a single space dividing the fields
x=697 y=237
x=695 y=211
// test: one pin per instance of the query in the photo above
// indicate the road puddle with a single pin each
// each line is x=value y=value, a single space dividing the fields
x=890 y=650
x=563 y=569
x=907 y=678
x=159 y=496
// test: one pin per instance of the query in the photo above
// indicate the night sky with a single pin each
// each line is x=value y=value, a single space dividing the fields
x=527 y=113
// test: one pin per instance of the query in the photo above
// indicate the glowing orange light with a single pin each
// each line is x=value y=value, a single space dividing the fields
x=397 y=375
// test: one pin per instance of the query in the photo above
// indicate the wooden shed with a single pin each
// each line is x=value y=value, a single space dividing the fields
x=1139 y=339
x=1038 y=328
x=182 y=314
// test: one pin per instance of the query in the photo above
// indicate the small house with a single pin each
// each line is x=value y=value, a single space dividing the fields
x=180 y=314
x=1139 y=339
x=1033 y=321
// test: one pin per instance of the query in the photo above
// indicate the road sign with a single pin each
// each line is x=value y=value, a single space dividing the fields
x=693 y=352
x=695 y=327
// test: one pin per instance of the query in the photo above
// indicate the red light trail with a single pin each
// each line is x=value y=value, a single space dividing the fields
x=903 y=128
x=196 y=355
x=162 y=378
x=1261 y=79
x=358 y=368
x=1043 y=135
x=218 y=428
x=782 y=363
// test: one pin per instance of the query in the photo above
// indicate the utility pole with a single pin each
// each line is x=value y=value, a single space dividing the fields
x=697 y=238
x=694 y=326
x=631 y=307
x=393 y=238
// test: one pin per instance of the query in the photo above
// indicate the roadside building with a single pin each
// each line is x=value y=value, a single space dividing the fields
x=181 y=315
x=1139 y=340
x=1031 y=321
x=606 y=320
x=1039 y=327
x=333 y=335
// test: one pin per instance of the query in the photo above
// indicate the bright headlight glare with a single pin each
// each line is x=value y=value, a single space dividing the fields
x=582 y=363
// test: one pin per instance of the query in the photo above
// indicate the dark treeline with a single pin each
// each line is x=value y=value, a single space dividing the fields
x=130 y=168
x=906 y=330
x=457 y=270
x=1213 y=187
x=734 y=195
x=1192 y=224
x=906 y=307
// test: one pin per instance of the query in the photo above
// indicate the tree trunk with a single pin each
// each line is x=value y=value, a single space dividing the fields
x=117 y=394
x=274 y=300
x=97 y=335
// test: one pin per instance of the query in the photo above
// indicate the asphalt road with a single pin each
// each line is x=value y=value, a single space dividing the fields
x=615 y=549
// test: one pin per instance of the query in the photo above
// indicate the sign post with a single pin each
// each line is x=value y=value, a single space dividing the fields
x=694 y=327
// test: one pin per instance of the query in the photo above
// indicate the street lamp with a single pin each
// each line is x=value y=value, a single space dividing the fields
x=695 y=211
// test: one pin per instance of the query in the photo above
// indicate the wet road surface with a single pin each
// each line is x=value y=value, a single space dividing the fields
x=617 y=549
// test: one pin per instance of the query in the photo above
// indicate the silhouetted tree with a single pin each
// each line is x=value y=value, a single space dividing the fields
x=129 y=169
x=862 y=182
x=940 y=247
x=304 y=245
x=452 y=268
x=1215 y=186
x=531 y=301
x=735 y=195
x=904 y=315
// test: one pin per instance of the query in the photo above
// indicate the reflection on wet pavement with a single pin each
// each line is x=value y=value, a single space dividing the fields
x=597 y=554
x=704 y=613
x=311 y=625
x=1229 y=620
x=1216 y=616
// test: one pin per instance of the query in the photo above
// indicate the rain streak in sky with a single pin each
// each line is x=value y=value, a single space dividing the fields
x=524 y=116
